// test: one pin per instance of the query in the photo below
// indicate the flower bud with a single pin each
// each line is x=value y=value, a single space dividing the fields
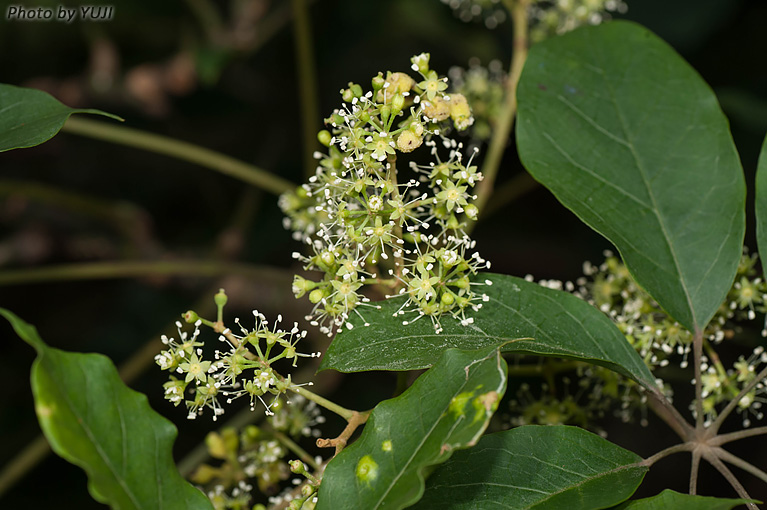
x=324 y=137
x=190 y=317
x=301 y=286
x=436 y=109
x=378 y=82
x=347 y=95
x=460 y=112
x=397 y=102
x=220 y=298
x=408 y=141
x=421 y=63
x=316 y=296
x=471 y=211
x=355 y=89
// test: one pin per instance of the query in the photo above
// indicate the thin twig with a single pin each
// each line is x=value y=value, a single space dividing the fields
x=668 y=413
x=502 y=129
x=682 y=447
x=727 y=474
x=695 y=466
x=340 y=442
x=307 y=82
x=134 y=269
x=734 y=436
x=742 y=464
x=178 y=149
x=697 y=349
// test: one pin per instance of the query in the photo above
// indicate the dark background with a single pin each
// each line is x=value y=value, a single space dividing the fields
x=153 y=65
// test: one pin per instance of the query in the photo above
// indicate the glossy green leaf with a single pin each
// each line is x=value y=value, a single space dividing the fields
x=631 y=139
x=520 y=316
x=447 y=408
x=93 y=420
x=761 y=204
x=536 y=467
x=29 y=117
x=670 y=500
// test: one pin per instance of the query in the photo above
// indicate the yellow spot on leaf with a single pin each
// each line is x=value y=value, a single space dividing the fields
x=367 y=469
x=386 y=446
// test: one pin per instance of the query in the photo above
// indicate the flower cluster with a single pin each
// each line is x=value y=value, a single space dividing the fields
x=660 y=340
x=484 y=89
x=367 y=219
x=555 y=17
x=244 y=368
x=489 y=11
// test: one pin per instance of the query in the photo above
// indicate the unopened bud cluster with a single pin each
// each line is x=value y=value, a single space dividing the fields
x=369 y=219
x=243 y=368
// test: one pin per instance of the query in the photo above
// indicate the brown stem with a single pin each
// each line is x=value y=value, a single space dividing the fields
x=742 y=464
x=668 y=413
x=339 y=442
x=734 y=436
x=506 y=118
x=697 y=349
x=694 y=472
x=682 y=447
x=727 y=474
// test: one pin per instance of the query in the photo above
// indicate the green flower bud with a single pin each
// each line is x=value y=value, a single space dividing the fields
x=190 y=317
x=347 y=95
x=356 y=89
x=216 y=445
x=421 y=63
x=397 y=102
x=324 y=137
x=385 y=113
x=301 y=285
x=447 y=299
x=220 y=298
x=364 y=116
x=378 y=82
x=471 y=211
x=316 y=296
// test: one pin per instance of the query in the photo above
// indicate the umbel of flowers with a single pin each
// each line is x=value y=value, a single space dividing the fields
x=370 y=219
x=242 y=368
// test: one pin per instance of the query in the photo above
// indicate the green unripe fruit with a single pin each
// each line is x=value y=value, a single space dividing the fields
x=316 y=296
x=190 y=317
x=378 y=82
x=324 y=137
x=220 y=298
x=355 y=89
x=397 y=103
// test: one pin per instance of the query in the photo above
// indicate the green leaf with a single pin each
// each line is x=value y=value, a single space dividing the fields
x=761 y=204
x=536 y=467
x=93 y=420
x=29 y=117
x=670 y=500
x=631 y=139
x=447 y=408
x=520 y=316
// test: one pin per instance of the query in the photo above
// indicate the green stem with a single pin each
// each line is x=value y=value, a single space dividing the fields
x=307 y=83
x=181 y=150
x=132 y=269
x=502 y=129
x=295 y=448
x=344 y=413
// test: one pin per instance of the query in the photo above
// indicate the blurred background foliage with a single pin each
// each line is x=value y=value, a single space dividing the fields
x=222 y=74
